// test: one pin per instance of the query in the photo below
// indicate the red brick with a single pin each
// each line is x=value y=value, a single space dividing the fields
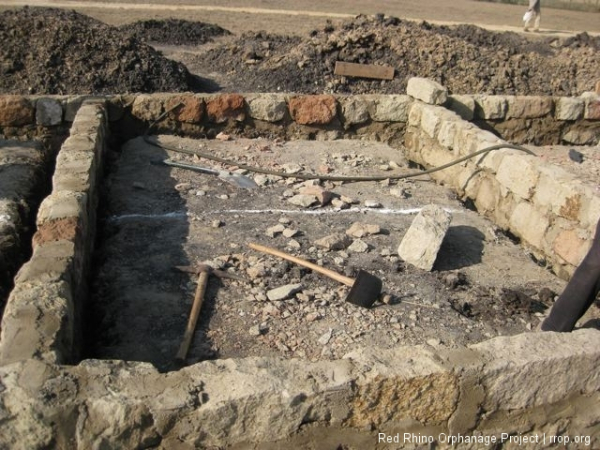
x=225 y=107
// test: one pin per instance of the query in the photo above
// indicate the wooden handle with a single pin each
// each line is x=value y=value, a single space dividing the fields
x=322 y=270
x=193 y=319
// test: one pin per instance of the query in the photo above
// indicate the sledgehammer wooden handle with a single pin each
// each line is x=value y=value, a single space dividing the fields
x=322 y=270
x=193 y=319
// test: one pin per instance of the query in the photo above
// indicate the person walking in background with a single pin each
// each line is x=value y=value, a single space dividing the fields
x=533 y=15
x=579 y=294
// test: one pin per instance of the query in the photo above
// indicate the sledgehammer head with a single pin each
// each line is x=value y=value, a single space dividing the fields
x=365 y=290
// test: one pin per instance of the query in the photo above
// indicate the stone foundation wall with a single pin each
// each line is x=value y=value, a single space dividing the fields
x=540 y=386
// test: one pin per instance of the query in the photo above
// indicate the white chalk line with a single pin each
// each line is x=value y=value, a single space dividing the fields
x=311 y=212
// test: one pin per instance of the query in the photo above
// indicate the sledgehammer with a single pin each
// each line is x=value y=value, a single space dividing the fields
x=364 y=290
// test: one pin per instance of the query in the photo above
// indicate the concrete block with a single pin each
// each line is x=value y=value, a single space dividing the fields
x=422 y=241
x=48 y=112
x=313 y=109
x=267 y=107
x=568 y=108
x=529 y=223
x=463 y=105
x=427 y=91
x=490 y=107
x=529 y=107
x=390 y=108
x=519 y=174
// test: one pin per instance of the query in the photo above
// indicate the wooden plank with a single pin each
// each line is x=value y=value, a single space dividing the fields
x=363 y=70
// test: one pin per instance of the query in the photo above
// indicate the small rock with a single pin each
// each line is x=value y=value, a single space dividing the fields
x=217 y=223
x=275 y=230
x=285 y=220
x=340 y=204
x=289 y=232
x=323 y=196
x=200 y=193
x=255 y=330
x=312 y=317
x=358 y=246
x=223 y=197
x=434 y=342
x=372 y=204
x=292 y=168
x=283 y=292
x=183 y=187
x=326 y=337
x=293 y=244
x=359 y=230
x=303 y=200
x=223 y=137
x=399 y=192
x=334 y=242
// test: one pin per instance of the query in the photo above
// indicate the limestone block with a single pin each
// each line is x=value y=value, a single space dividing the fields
x=71 y=106
x=267 y=107
x=487 y=195
x=519 y=174
x=556 y=190
x=147 y=107
x=313 y=109
x=430 y=121
x=569 y=108
x=427 y=91
x=582 y=136
x=390 y=108
x=185 y=108
x=490 y=161
x=224 y=107
x=529 y=223
x=414 y=114
x=447 y=133
x=592 y=108
x=52 y=259
x=465 y=137
x=62 y=204
x=590 y=213
x=423 y=239
x=490 y=106
x=571 y=246
x=529 y=107
x=15 y=111
x=463 y=105
x=48 y=112
x=547 y=367
x=355 y=110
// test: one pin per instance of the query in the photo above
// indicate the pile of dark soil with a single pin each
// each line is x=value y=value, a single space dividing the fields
x=173 y=32
x=466 y=59
x=53 y=51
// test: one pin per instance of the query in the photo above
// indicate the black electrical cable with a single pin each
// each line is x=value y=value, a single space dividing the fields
x=302 y=176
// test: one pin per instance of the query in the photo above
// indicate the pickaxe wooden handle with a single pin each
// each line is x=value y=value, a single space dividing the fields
x=193 y=319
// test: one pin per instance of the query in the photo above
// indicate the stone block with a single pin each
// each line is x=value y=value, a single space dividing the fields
x=390 y=108
x=414 y=114
x=529 y=223
x=568 y=108
x=422 y=241
x=62 y=204
x=519 y=174
x=582 y=136
x=190 y=109
x=529 y=107
x=355 y=110
x=147 y=107
x=490 y=107
x=427 y=91
x=15 y=111
x=267 y=107
x=447 y=133
x=430 y=121
x=313 y=109
x=592 y=108
x=571 y=246
x=51 y=261
x=591 y=210
x=487 y=195
x=48 y=112
x=71 y=106
x=463 y=105
x=556 y=190
x=224 y=107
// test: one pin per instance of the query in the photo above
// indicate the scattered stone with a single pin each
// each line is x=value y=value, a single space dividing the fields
x=283 y=292
x=575 y=156
x=183 y=187
x=326 y=337
x=359 y=246
x=359 y=230
x=293 y=244
x=454 y=279
x=261 y=180
x=399 y=192
x=292 y=168
x=255 y=330
x=289 y=232
x=423 y=239
x=434 y=342
x=323 y=196
x=372 y=204
x=303 y=200
x=217 y=223
x=275 y=230
x=339 y=203
x=334 y=242
x=547 y=295
x=200 y=193
x=223 y=197
x=312 y=317
x=256 y=271
x=284 y=220
x=223 y=137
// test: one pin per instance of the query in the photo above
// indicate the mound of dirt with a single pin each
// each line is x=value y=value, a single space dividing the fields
x=466 y=59
x=173 y=31
x=53 y=51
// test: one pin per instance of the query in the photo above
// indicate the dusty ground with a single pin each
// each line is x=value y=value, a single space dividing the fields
x=156 y=218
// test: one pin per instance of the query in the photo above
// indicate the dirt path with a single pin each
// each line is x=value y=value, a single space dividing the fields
x=301 y=16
